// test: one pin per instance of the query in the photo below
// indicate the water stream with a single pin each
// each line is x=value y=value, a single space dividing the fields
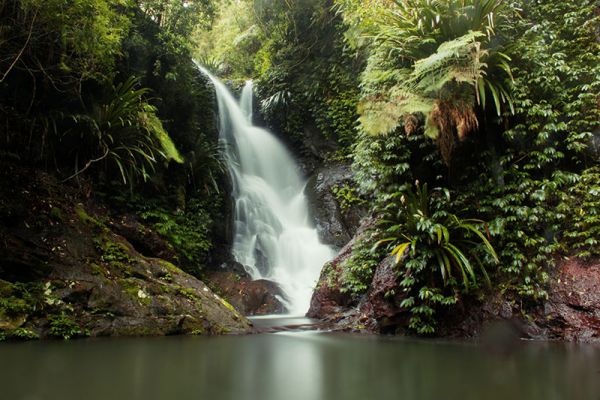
x=274 y=237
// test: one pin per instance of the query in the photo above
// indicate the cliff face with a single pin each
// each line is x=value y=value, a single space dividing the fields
x=67 y=270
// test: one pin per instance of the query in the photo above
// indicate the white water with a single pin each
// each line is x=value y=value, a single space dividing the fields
x=274 y=238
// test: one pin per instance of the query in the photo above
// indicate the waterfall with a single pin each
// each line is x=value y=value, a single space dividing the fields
x=273 y=235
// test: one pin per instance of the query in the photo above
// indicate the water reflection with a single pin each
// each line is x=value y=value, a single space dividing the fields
x=294 y=366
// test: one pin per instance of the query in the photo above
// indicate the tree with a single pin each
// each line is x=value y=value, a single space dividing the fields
x=438 y=59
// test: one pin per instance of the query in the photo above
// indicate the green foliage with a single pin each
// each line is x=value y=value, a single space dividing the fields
x=357 y=271
x=187 y=231
x=437 y=59
x=18 y=299
x=69 y=98
x=113 y=253
x=440 y=255
x=21 y=334
x=177 y=17
x=63 y=326
x=127 y=133
x=582 y=209
x=84 y=36
x=557 y=81
x=229 y=44
x=306 y=76
x=347 y=196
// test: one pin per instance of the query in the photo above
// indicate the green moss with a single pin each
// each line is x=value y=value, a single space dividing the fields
x=132 y=287
x=114 y=253
x=87 y=219
x=169 y=266
x=226 y=304
x=188 y=293
x=167 y=277
x=106 y=313
x=97 y=269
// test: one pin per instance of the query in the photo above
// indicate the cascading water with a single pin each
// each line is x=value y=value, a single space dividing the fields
x=274 y=238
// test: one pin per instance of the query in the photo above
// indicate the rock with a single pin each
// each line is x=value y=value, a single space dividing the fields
x=259 y=297
x=334 y=224
x=67 y=273
x=144 y=239
x=328 y=302
x=573 y=309
x=380 y=307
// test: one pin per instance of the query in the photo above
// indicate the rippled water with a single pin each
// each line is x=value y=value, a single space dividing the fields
x=294 y=366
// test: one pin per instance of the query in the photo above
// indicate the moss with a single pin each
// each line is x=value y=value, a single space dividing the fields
x=169 y=266
x=97 y=270
x=188 y=293
x=106 y=313
x=167 y=277
x=114 y=253
x=226 y=304
x=87 y=219
x=132 y=288
x=18 y=299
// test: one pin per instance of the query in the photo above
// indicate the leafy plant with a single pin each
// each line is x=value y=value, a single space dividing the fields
x=23 y=334
x=347 y=196
x=436 y=251
x=582 y=207
x=187 y=231
x=63 y=326
x=127 y=132
x=435 y=59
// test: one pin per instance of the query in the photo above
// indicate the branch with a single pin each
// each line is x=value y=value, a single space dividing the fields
x=89 y=163
x=22 y=49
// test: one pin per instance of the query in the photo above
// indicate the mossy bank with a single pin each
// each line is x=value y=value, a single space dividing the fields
x=65 y=272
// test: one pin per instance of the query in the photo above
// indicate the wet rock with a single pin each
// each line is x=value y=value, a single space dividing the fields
x=328 y=301
x=334 y=224
x=380 y=307
x=258 y=297
x=573 y=309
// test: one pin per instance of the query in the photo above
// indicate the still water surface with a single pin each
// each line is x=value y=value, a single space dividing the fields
x=294 y=366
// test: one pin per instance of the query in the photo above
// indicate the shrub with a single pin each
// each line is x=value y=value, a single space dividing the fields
x=440 y=255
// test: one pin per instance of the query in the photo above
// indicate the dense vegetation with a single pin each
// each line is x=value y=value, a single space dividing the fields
x=491 y=104
x=473 y=126
x=105 y=93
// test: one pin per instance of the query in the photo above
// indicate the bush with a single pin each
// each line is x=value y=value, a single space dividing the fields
x=440 y=255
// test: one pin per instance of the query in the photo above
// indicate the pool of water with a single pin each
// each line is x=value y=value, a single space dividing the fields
x=295 y=366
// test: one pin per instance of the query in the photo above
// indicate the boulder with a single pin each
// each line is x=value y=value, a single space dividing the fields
x=334 y=224
x=250 y=297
